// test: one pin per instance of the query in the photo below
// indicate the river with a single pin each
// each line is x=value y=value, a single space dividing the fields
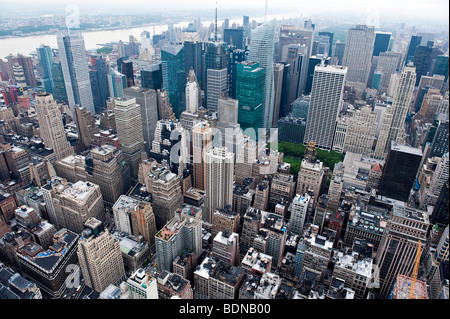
x=28 y=44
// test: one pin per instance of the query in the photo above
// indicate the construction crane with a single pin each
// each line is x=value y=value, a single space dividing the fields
x=415 y=271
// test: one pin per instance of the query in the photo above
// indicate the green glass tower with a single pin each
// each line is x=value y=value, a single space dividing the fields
x=250 y=93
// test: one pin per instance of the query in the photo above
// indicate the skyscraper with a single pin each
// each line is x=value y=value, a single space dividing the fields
x=151 y=77
x=261 y=51
x=216 y=85
x=398 y=247
x=325 y=104
x=201 y=144
x=75 y=70
x=146 y=99
x=100 y=256
x=219 y=181
x=51 y=126
x=413 y=44
x=358 y=54
x=381 y=43
x=402 y=164
x=249 y=92
x=330 y=36
x=45 y=56
x=174 y=76
x=422 y=61
x=129 y=131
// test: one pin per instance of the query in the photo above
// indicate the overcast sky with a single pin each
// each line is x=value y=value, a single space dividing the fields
x=422 y=9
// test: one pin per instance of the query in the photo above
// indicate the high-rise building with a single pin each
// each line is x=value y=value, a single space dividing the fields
x=402 y=164
x=174 y=76
x=310 y=176
x=397 y=250
x=51 y=126
x=216 y=85
x=261 y=51
x=234 y=37
x=250 y=93
x=358 y=54
x=215 y=57
x=339 y=52
x=219 y=175
x=202 y=144
x=381 y=43
x=45 y=56
x=129 y=131
x=59 y=89
x=388 y=63
x=325 y=104
x=422 y=61
x=181 y=232
x=127 y=70
x=146 y=99
x=413 y=44
x=151 y=77
x=25 y=63
x=100 y=256
x=297 y=57
x=165 y=188
x=193 y=58
x=99 y=81
x=79 y=202
x=395 y=116
x=299 y=210
x=75 y=70
x=225 y=247
x=441 y=66
x=330 y=36
x=279 y=83
x=236 y=56
x=361 y=132
x=104 y=166
x=117 y=82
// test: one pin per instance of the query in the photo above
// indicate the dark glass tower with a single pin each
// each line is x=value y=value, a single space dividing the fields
x=236 y=56
x=193 y=58
x=400 y=171
x=174 y=76
x=381 y=43
x=413 y=44
x=339 y=52
x=441 y=66
x=59 y=89
x=151 y=77
x=127 y=70
x=422 y=60
x=234 y=37
x=215 y=57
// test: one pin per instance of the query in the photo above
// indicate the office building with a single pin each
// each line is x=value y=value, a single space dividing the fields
x=79 y=202
x=399 y=247
x=127 y=114
x=282 y=189
x=261 y=51
x=219 y=176
x=236 y=56
x=250 y=93
x=413 y=44
x=358 y=54
x=142 y=286
x=100 y=257
x=234 y=37
x=361 y=131
x=181 y=232
x=146 y=99
x=167 y=197
x=325 y=104
x=225 y=220
x=216 y=85
x=381 y=43
x=402 y=164
x=299 y=210
x=441 y=66
x=117 y=82
x=151 y=77
x=422 y=61
x=172 y=286
x=202 y=143
x=46 y=267
x=75 y=70
x=225 y=248
x=51 y=126
x=387 y=64
x=215 y=57
x=45 y=56
x=174 y=76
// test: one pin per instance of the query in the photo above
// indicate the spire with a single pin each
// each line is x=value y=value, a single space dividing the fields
x=215 y=29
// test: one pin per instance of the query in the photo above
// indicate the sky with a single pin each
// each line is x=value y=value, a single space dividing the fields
x=434 y=10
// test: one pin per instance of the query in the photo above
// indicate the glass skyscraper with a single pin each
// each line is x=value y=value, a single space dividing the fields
x=250 y=93
x=45 y=57
x=174 y=76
